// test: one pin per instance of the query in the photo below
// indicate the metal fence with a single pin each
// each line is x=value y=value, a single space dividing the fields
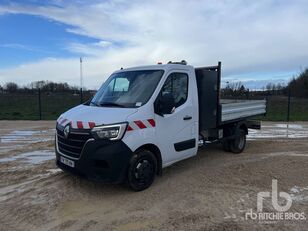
x=281 y=106
x=46 y=105
x=39 y=105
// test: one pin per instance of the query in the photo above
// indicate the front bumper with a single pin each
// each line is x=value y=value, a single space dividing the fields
x=101 y=160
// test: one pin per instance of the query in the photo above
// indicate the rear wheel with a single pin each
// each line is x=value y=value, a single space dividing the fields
x=226 y=145
x=238 y=144
x=226 y=142
x=142 y=170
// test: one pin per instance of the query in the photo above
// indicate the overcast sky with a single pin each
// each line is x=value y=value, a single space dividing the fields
x=255 y=40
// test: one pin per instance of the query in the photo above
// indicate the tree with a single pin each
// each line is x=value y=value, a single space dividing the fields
x=49 y=86
x=269 y=86
x=11 y=87
x=299 y=85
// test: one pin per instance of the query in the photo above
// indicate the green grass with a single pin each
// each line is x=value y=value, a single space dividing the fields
x=277 y=108
x=25 y=106
x=19 y=106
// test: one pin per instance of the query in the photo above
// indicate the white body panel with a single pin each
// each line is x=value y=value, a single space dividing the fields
x=98 y=115
x=172 y=128
x=169 y=129
x=161 y=131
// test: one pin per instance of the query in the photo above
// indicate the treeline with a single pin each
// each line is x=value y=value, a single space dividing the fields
x=45 y=86
x=298 y=87
x=235 y=89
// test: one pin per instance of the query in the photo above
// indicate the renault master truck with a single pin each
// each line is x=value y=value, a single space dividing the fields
x=143 y=119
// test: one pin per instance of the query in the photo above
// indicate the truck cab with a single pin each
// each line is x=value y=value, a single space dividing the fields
x=141 y=120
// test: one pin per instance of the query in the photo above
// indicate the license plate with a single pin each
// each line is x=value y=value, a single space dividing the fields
x=67 y=162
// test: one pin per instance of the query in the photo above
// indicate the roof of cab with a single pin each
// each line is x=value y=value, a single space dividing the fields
x=165 y=67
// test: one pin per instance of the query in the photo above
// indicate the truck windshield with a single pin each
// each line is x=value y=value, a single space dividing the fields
x=127 y=89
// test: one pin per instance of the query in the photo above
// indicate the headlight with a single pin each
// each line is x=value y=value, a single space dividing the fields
x=111 y=132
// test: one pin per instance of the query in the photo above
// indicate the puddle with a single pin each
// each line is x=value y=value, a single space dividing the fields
x=278 y=131
x=31 y=136
x=18 y=136
x=291 y=126
x=21 y=138
x=6 y=149
x=35 y=157
x=54 y=171
x=287 y=154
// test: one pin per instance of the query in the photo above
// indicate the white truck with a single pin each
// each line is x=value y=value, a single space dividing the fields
x=146 y=118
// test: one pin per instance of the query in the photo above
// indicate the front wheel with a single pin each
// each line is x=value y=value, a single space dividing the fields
x=142 y=170
x=238 y=144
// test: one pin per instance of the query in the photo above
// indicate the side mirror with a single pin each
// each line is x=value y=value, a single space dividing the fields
x=88 y=101
x=166 y=103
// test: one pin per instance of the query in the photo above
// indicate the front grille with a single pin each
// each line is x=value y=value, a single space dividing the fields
x=73 y=144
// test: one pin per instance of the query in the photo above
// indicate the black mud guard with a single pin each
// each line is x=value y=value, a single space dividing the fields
x=240 y=125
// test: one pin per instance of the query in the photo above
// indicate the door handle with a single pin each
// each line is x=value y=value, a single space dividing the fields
x=187 y=118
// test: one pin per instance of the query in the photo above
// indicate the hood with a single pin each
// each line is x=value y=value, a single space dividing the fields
x=84 y=116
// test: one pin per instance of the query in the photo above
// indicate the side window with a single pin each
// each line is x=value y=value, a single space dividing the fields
x=177 y=85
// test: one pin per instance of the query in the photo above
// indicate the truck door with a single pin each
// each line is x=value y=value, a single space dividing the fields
x=177 y=132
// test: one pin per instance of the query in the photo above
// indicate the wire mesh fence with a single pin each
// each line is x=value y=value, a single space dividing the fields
x=281 y=106
x=37 y=105
x=47 y=105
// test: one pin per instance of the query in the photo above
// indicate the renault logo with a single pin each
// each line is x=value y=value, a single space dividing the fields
x=66 y=131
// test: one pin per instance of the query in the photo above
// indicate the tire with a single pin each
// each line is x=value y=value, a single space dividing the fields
x=226 y=145
x=142 y=170
x=238 y=144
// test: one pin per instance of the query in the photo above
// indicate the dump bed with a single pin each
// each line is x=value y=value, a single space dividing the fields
x=236 y=109
x=214 y=111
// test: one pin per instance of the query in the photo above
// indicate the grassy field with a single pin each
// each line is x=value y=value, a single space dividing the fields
x=277 y=108
x=25 y=106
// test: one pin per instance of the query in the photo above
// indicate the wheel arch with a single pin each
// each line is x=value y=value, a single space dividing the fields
x=242 y=126
x=155 y=150
x=232 y=128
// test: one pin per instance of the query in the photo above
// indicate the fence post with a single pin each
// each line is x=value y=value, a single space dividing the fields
x=289 y=103
x=40 y=104
x=81 y=96
x=288 y=113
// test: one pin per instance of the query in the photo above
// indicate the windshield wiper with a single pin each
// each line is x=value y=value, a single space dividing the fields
x=95 y=104
x=106 y=104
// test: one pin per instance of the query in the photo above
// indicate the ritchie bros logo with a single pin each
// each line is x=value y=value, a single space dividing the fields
x=281 y=212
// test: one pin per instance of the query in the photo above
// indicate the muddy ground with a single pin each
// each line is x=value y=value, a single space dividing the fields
x=211 y=191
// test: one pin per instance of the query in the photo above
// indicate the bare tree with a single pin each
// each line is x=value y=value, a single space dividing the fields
x=299 y=85
x=11 y=87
